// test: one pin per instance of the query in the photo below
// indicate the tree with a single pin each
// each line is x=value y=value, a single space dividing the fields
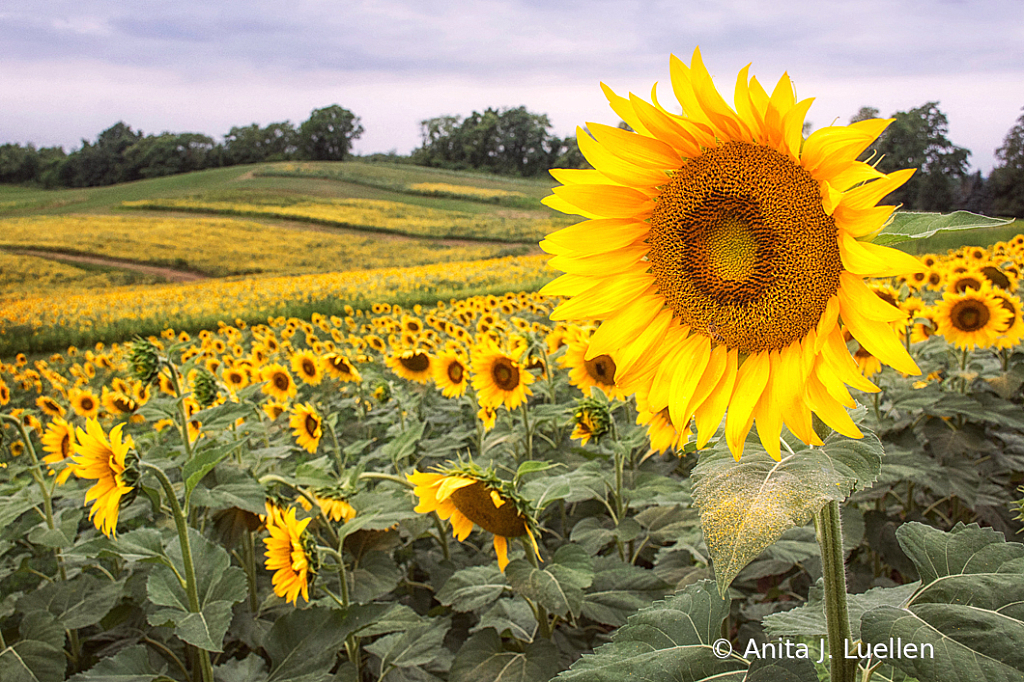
x=328 y=134
x=917 y=139
x=17 y=163
x=168 y=154
x=252 y=144
x=1007 y=179
x=102 y=163
x=510 y=141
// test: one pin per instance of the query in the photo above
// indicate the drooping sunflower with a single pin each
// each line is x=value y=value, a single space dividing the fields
x=306 y=365
x=107 y=461
x=59 y=441
x=451 y=374
x=468 y=496
x=334 y=504
x=308 y=425
x=972 y=319
x=50 y=406
x=488 y=416
x=598 y=370
x=280 y=386
x=591 y=419
x=721 y=250
x=414 y=365
x=291 y=554
x=341 y=368
x=498 y=378
x=84 y=402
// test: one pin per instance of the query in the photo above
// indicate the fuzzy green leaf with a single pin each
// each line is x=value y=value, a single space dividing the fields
x=77 y=603
x=906 y=226
x=670 y=640
x=303 y=644
x=416 y=646
x=510 y=615
x=619 y=590
x=970 y=606
x=128 y=665
x=483 y=658
x=38 y=656
x=559 y=587
x=473 y=588
x=747 y=505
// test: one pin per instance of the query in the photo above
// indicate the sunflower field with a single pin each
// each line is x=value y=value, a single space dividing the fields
x=741 y=438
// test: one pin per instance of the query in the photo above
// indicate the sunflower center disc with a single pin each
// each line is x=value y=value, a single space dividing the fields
x=601 y=368
x=969 y=316
x=742 y=249
x=455 y=372
x=506 y=375
x=418 y=362
x=312 y=424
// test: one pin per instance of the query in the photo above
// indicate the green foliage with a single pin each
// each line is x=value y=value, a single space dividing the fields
x=907 y=226
x=328 y=133
x=1007 y=178
x=747 y=505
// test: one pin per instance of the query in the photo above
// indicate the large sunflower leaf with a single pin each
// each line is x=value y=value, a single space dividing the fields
x=906 y=226
x=303 y=644
x=133 y=664
x=670 y=640
x=473 y=588
x=558 y=587
x=969 y=609
x=747 y=505
x=77 y=603
x=38 y=656
x=484 y=658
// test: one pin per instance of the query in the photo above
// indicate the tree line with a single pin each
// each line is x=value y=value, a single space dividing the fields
x=121 y=154
x=509 y=141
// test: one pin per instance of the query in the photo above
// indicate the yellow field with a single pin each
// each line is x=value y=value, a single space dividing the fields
x=182 y=304
x=223 y=246
x=444 y=189
x=26 y=275
x=379 y=215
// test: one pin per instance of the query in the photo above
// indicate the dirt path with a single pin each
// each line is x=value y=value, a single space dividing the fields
x=169 y=274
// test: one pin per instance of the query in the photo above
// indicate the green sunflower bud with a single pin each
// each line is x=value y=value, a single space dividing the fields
x=144 y=360
x=592 y=419
x=382 y=392
x=205 y=386
x=131 y=477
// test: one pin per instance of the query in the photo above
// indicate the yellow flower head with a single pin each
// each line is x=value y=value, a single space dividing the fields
x=97 y=457
x=289 y=554
x=498 y=378
x=465 y=499
x=308 y=425
x=451 y=374
x=59 y=441
x=972 y=319
x=721 y=249
x=307 y=366
x=413 y=365
x=341 y=368
x=279 y=383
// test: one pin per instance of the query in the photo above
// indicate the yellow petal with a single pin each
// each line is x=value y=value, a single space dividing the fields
x=642 y=151
x=608 y=298
x=610 y=263
x=751 y=379
x=557 y=203
x=872 y=260
x=688 y=374
x=879 y=339
x=623 y=107
x=663 y=127
x=768 y=410
x=617 y=169
x=628 y=324
x=501 y=549
x=595 y=236
x=609 y=201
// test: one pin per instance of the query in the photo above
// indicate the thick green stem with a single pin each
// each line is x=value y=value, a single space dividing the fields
x=339 y=456
x=828 y=526
x=539 y=612
x=182 y=415
x=191 y=587
x=529 y=434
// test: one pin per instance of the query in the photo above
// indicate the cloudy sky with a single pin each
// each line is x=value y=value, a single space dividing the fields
x=71 y=69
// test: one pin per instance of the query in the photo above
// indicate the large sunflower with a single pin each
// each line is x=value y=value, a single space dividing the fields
x=105 y=460
x=414 y=365
x=466 y=498
x=279 y=383
x=721 y=250
x=451 y=374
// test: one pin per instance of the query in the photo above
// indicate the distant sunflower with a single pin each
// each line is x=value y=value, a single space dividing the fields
x=50 y=406
x=274 y=409
x=465 y=497
x=662 y=433
x=598 y=371
x=117 y=403
x=451 y=374
x=499 y=379
x=339 y=367
x=334 y=504
x=972 y=319
x=59 y=441
x=107 y=461
x=308 y=425
x=235 y=378
x=1012 y=331
x=721 y=249
x=85 y=403
x=413 y=365
x=306 y=366
x=291 y=553
x=279 y=383
x=488 y=416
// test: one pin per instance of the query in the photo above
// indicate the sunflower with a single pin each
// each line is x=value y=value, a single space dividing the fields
x=306 y=365
x=466 y=496
x=591 y=419
x=5 y=393
x=116 y=402
x=274 y=409
x=720 y=251
x=451 y=374
x=1012 y=331
x=235 y=378
x=499 y=379
x=972 y=319
x=279 y=383
x=488 y=416
x=334 y=504
x=50 y=406
x=291 y=553
x=308 y=425
x=413 y=365
x=340 y=367
x=59 y=441
x=85 y=403
x=585 y=374
x=107 y=461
